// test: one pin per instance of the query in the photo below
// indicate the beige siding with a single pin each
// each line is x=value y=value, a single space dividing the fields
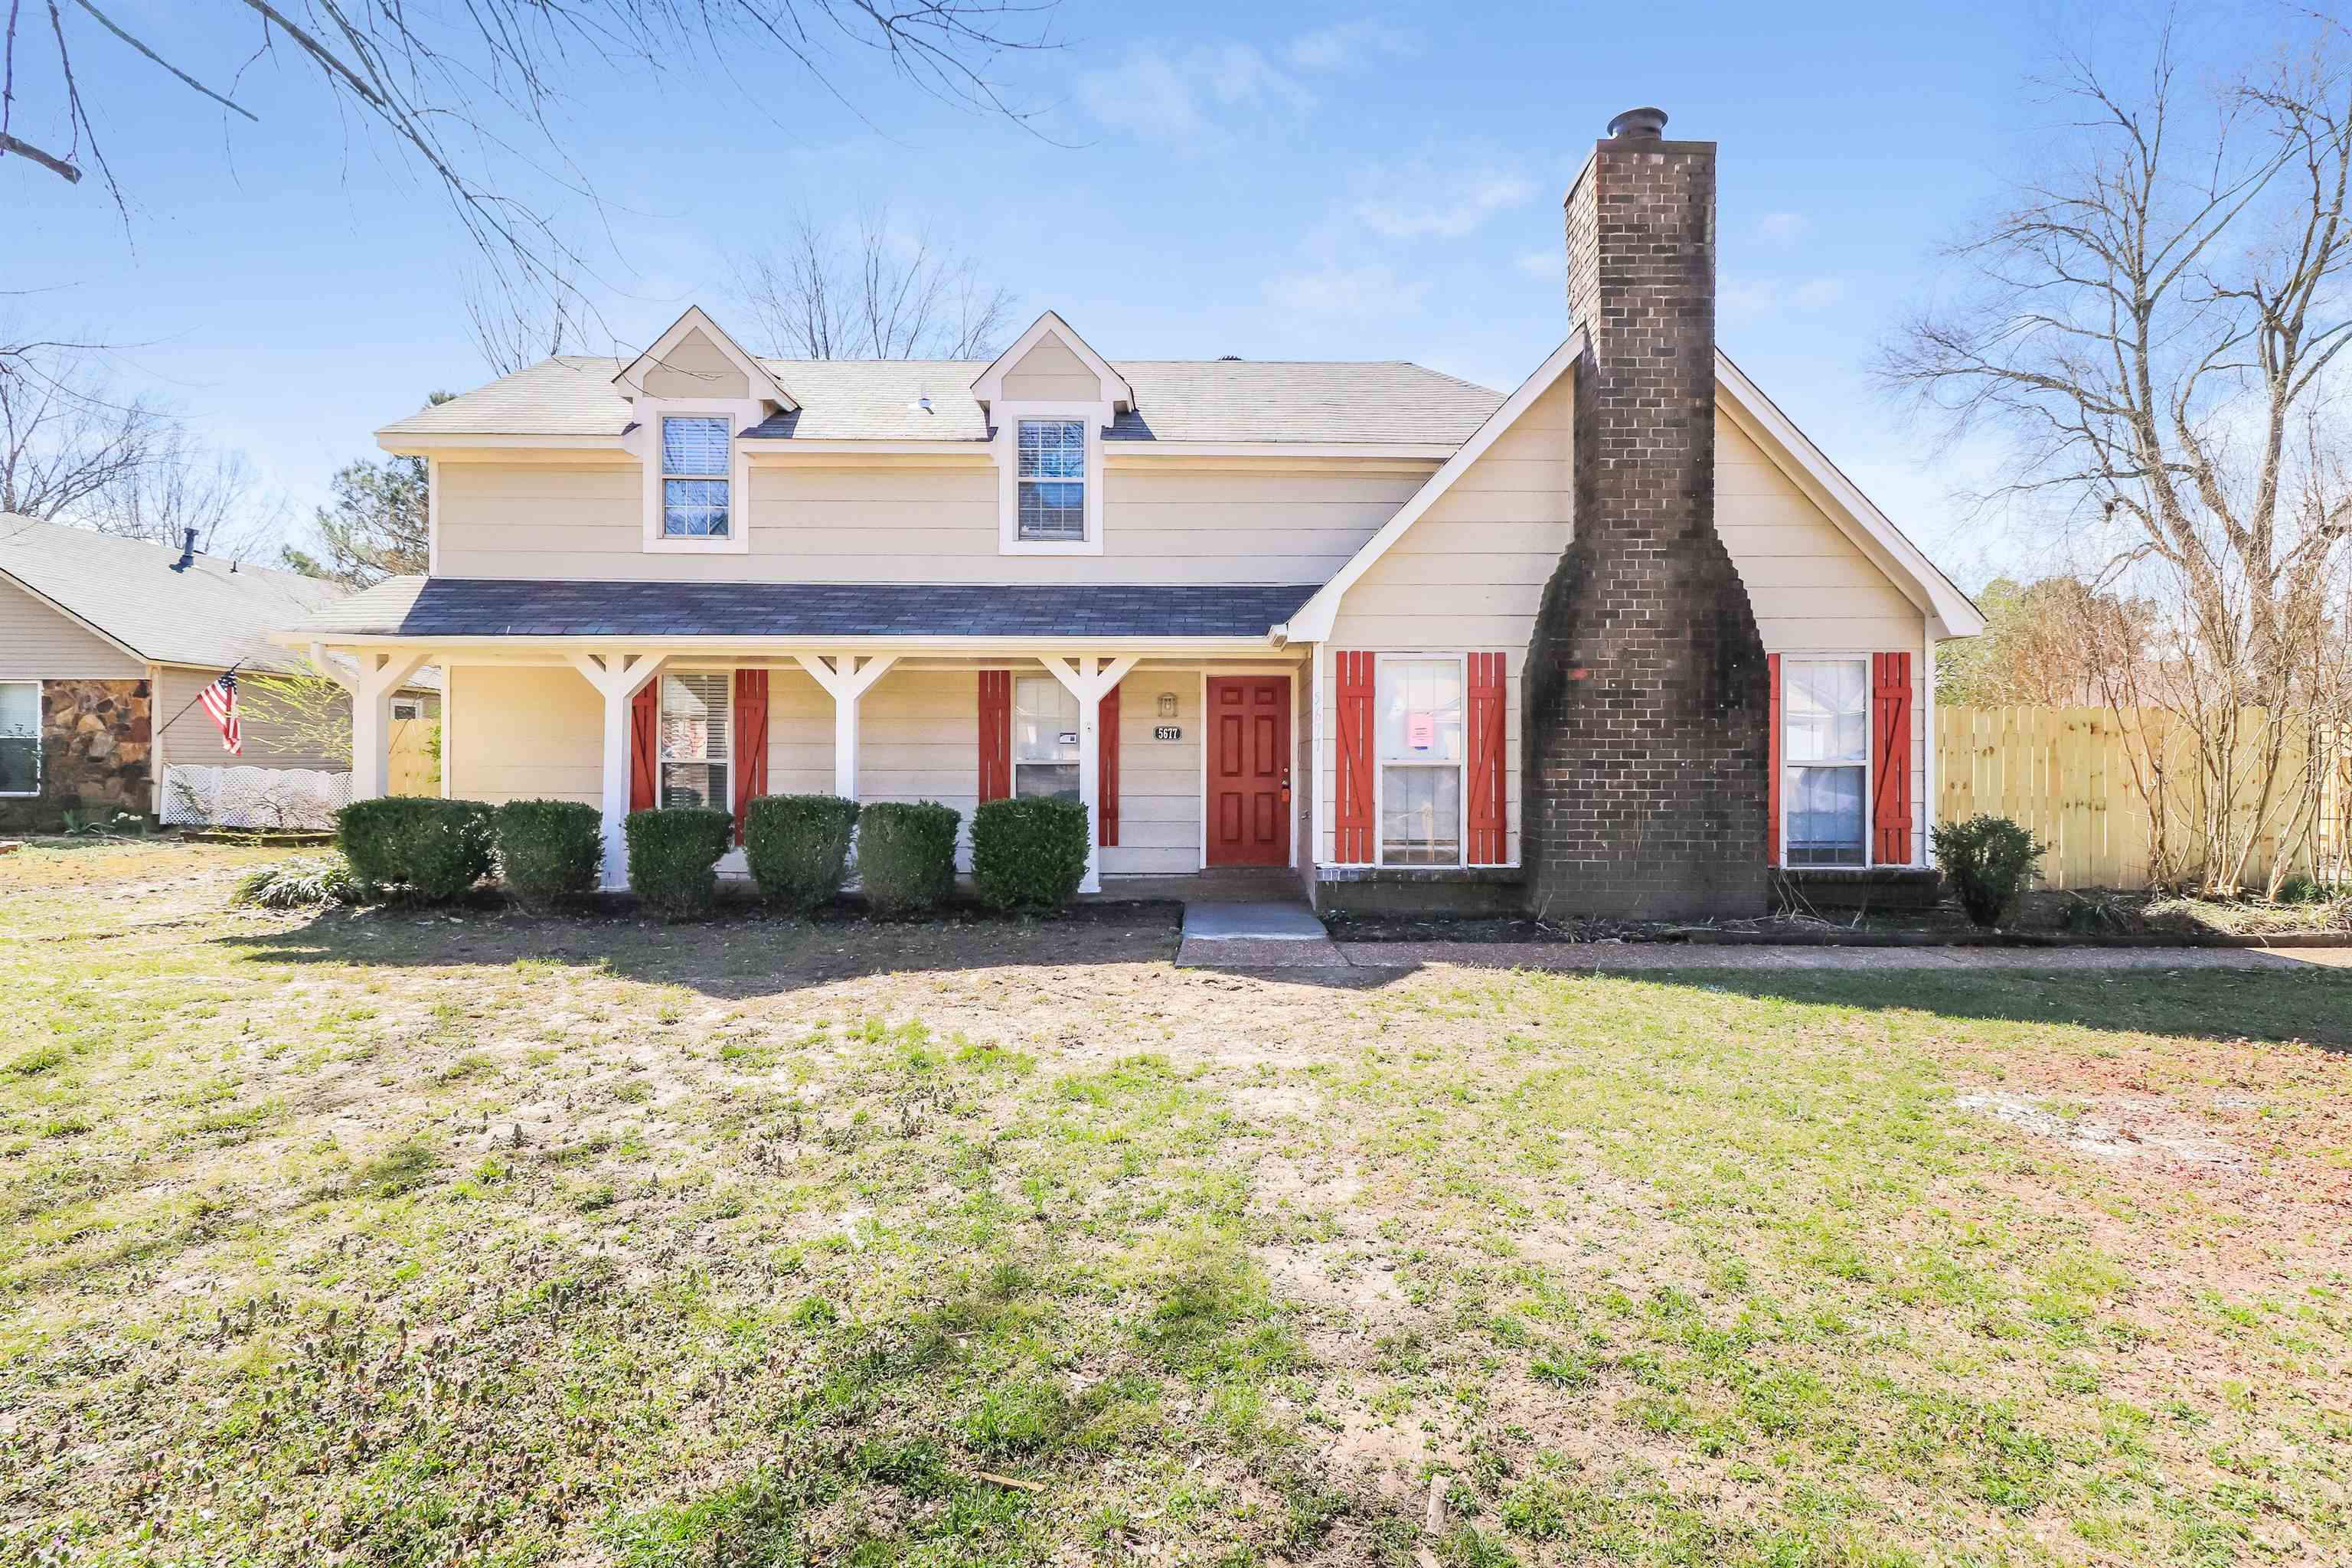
x=697 y=369
x=1051 y=372
x=922 y=522
x=1160 y=781
x=524 y=733
x=1470 y=575
x=40 y=642
x=186 y=734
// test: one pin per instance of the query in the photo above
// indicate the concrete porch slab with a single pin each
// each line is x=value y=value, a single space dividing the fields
x=1259 y=934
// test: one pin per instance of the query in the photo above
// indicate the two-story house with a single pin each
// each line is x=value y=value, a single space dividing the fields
x=1620 y=639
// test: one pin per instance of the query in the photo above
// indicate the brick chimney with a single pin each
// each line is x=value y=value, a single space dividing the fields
x=1647 y=691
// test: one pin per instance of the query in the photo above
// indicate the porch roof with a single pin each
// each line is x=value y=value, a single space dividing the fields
x=447 y=607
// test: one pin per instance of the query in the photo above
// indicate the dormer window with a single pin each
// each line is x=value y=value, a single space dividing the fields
x=1052 y=455
x=695 y=463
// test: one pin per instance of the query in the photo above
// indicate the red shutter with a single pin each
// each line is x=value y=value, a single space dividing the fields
x=1772 y=769
x=1107 y=790
x=1890 y=756
x=1351 y=804
x=644 y=745
x=1486 y=730
x=995 y=734
x=750 y=741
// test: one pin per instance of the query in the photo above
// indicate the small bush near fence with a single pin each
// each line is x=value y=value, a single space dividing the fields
x=1989 y=862
x=1028 y=853
x=302 y=882
x=673 y=853
x=906 y=855
x=798 y=846
x=417 y=849
x=548 y=849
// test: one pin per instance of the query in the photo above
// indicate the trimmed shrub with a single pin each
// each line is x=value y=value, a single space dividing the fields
x=1990 y=861
x=798 y=846
x=672 y=852
x=906 y=855
x=415 y=848
x=548 y=849
x=1029 y=853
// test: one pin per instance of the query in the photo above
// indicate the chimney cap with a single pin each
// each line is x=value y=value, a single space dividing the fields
x=1638 y=124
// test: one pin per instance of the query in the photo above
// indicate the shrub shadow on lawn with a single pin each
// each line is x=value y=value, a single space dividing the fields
x=2313 y=1006
x=741 y=955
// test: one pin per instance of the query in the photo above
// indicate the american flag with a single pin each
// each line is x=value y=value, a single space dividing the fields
x=220 y=701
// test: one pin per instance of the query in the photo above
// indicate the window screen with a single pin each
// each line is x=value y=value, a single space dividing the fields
x=694 y=477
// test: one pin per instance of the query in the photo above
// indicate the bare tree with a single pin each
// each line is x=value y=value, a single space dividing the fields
x=872 y=293
x=516 y=328
x=67 y=440
x=468 y=93
x=2153 y=324
x=186 y=486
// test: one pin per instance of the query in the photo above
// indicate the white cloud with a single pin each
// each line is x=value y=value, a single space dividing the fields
x=1800 y=295
x=1183 y=94
x=1782 y=228
x=1349 y=46
x=1422 y=200
x=1371 y=291
x=1541 y=263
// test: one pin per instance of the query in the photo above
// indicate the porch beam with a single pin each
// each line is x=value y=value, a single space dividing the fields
x=378 y=674
x=617 y=675
x=1087 y=677
x=846 y=681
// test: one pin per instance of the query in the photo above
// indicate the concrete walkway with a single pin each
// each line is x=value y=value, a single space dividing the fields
x=1268 y=935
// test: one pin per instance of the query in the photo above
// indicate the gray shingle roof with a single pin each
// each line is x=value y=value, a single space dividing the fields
x=208 y=615
x=1379 y=401
x=474 y=606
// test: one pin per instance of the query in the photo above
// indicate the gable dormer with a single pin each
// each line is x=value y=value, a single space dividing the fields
x=1049 y=398
x=691 y=396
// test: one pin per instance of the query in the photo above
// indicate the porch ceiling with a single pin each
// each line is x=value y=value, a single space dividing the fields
x=454 y=608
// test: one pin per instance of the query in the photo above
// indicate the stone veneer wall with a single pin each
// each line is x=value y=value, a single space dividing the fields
x=1647 y=690
x=97 y=737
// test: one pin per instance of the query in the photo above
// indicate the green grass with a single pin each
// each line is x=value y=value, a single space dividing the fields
x=393 y=1239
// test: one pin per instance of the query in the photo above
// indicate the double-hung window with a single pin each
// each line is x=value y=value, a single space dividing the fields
x=695 y=464
x=1825 y=751
x=1051 y=480
x=1045 y=738
x=1421 y=736
x=694 y=740
x=20 y=737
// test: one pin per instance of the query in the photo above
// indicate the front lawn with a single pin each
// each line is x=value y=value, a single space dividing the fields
x=403 y=1239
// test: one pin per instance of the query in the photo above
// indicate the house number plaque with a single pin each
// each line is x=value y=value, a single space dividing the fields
x=1168 y=732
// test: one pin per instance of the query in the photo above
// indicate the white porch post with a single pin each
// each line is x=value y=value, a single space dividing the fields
x=846 y=681
x=1087 y=679
x=377 y=675
x=617 y=676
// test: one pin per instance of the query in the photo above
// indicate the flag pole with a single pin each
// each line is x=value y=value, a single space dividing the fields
x=199 y=696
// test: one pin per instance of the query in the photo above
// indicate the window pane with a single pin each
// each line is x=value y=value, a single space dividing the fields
x=1053 y=449
x=1059 y=780
x=694 y=784
x=1421 y=817
x=1824 y=816
x=1043 y=710
x=694 y=446
x=1421 y=711
x=1053 y=509
x=1826 y=706
x=20 y=737
x=694 y=718
x=694 y=509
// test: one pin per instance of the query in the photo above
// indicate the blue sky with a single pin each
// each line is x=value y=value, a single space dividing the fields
x=1310 y=180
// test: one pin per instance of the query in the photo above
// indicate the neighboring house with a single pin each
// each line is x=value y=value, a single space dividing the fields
x=105 y=645
x=1620 y=640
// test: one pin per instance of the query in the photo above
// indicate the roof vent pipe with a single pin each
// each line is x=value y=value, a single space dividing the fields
x=1639 y=125
x=187 y=551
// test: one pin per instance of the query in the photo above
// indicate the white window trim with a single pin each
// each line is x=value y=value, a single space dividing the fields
x=1460 y=661
x=662 y=759
x=40 y=740
x=1006 y=442
x=644 y=442
x=1869 y=748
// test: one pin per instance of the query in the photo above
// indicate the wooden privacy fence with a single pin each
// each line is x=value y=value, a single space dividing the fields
x=414 y=769
x=2067 y=774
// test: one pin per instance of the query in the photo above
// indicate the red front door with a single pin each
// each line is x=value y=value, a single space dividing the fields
x=1249 y=770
